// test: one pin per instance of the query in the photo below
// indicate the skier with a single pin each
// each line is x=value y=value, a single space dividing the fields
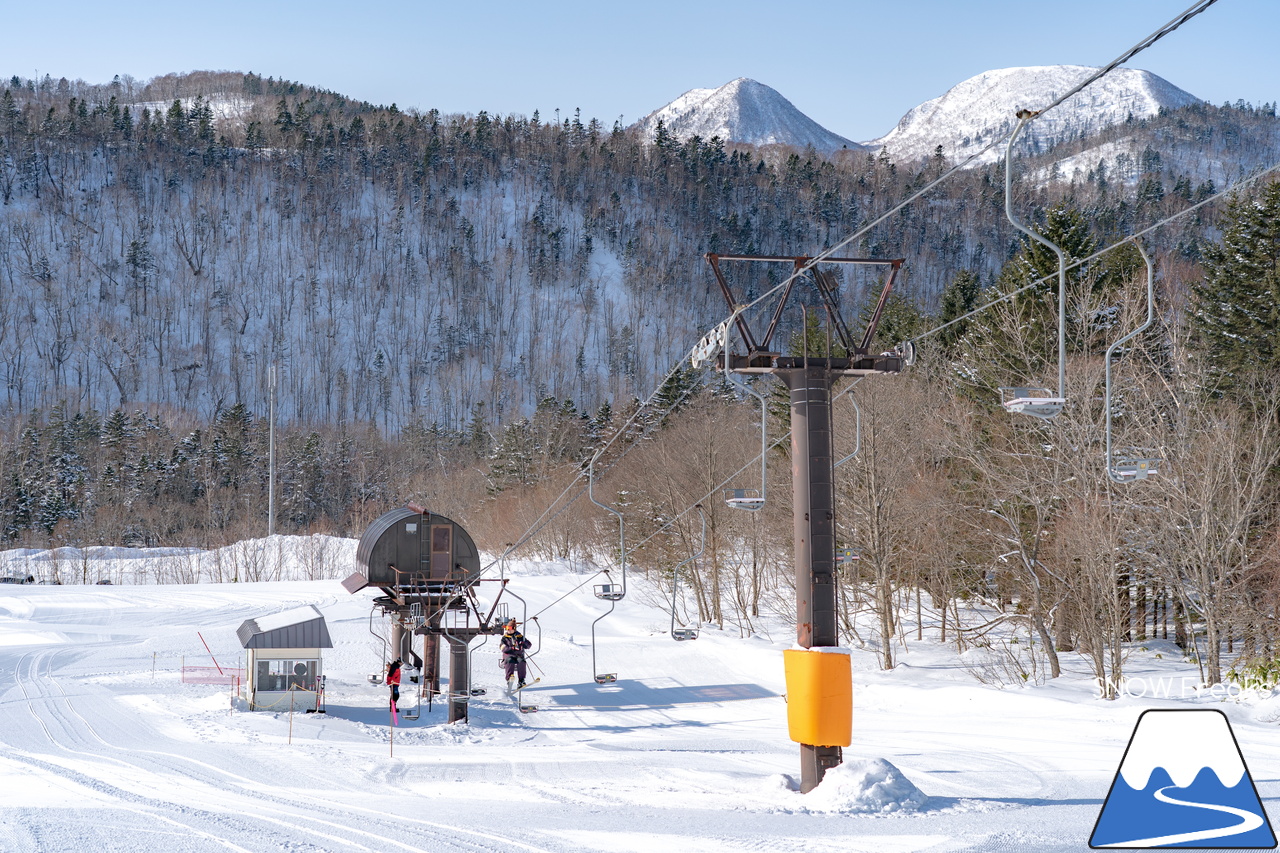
x=513 y=646
x=393 y=680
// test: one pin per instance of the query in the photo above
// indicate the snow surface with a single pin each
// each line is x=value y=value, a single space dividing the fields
x=973 y=113
x=742 y=110
x=103 y=748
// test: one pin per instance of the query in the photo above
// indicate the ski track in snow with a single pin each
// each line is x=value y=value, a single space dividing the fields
x=687 y=750
x=239 y=795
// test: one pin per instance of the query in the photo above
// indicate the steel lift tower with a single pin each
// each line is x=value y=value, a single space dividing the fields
x=810 y=380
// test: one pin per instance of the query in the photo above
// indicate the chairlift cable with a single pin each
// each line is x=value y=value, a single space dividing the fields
x=720 y=486
x=545 y=519
x=1243 y=182
x=1239 y=185
x=1168 y=28
x=996 y=140
x=589 y=579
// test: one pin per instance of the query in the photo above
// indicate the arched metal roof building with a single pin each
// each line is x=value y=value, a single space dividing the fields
x=414 y=548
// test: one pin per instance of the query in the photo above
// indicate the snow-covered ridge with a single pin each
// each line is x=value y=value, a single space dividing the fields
x=742 y=110
x=973 y=113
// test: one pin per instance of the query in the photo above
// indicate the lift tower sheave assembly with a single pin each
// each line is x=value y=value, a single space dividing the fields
x=819 y=680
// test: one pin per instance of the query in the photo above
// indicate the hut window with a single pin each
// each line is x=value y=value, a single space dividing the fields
x=281 y=675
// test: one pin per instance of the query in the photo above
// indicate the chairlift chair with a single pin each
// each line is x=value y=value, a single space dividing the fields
x=1038 y=402
x=686 y=632
x=1128 y=470
x=610 y=591
x=748 y=499
x=608 y=678
x=413 y=676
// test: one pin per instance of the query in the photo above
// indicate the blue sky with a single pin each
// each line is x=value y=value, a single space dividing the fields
x=854 y=66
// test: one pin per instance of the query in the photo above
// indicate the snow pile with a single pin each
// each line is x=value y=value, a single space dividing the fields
x=868 y=786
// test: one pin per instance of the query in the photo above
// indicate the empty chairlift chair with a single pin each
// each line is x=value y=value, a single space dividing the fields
x=748 y=499
x=686 y=632
x=1128 y=469
x=610 y=591
x=1038 y=402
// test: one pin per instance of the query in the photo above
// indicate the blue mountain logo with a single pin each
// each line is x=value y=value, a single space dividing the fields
x=1183 y=783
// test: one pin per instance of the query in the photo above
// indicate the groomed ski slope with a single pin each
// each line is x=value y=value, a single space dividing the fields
x=103 y=749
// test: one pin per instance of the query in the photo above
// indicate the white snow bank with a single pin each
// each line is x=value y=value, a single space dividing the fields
x=869 y=786
x=542 y=568
x=274 y=558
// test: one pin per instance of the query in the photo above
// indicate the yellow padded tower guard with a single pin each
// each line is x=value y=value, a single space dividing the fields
x=819 y=696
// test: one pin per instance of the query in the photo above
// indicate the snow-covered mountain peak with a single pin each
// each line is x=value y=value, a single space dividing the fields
x=742 y=110
x=973 y=113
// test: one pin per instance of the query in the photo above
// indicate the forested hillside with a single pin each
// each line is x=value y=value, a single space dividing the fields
x=459 y=308
x=411 y=267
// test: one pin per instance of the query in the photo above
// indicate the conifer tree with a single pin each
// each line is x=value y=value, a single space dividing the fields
x=959 y=298
x=1016 y=342
x=1235 y=316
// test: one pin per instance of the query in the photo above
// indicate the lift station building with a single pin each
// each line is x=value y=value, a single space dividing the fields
x=427 y=568
x=285 y=667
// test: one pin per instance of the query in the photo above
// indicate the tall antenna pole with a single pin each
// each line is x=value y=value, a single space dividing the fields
x=271 y=453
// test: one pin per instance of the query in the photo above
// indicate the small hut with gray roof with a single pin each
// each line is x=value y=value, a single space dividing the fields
x=284 y=659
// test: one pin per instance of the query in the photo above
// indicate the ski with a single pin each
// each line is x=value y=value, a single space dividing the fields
x=512 y=691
